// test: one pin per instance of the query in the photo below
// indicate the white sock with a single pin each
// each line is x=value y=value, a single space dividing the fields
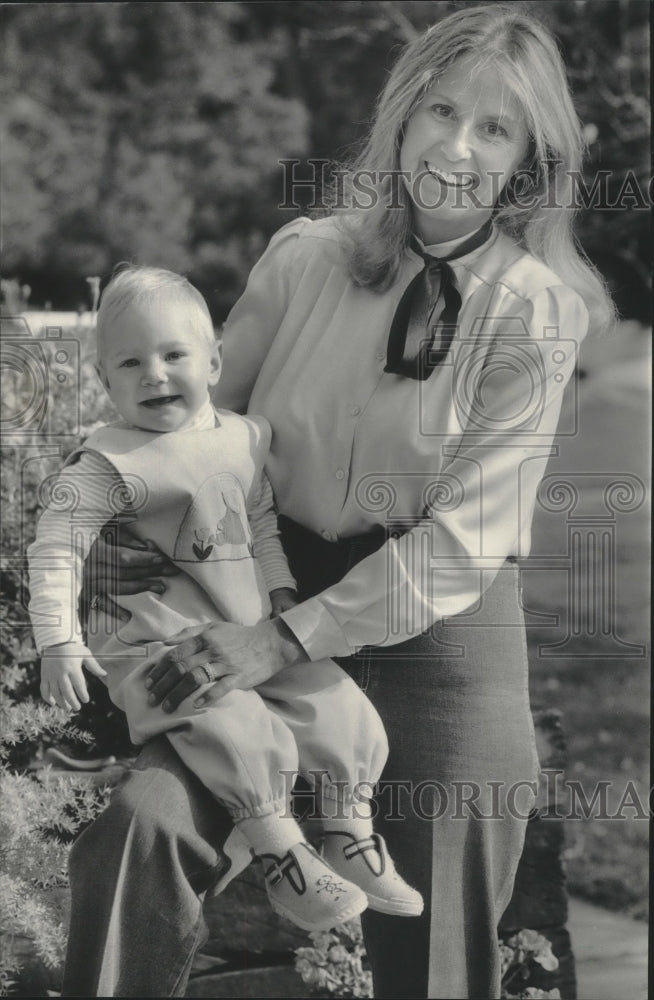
x=275 y=833
x=354 y=818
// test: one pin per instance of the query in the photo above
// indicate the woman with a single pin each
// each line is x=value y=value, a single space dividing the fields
x=413 y=404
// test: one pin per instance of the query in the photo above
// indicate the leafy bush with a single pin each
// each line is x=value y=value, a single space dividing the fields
x=42 y=811
x=107 y=157
x=520 y=955
x=336 y=964
x=76 y=406
x=41 y=814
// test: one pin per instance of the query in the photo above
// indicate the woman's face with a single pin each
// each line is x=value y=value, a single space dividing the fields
x=461 y=145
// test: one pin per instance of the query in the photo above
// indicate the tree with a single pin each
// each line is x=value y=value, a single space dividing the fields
x=153 y=131
x=141 y=131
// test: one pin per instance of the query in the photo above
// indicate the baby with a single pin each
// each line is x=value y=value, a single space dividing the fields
x=191 y=479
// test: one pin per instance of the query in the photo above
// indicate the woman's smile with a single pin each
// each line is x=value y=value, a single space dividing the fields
x=461 y=180
x=468 y=135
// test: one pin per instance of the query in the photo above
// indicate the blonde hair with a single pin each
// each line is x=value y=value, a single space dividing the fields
x=134 y=285
x=526 y=55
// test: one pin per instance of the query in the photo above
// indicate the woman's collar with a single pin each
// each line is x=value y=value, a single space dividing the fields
x=448 y=247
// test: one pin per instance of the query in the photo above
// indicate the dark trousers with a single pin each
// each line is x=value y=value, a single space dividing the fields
x=452 y=805
x=459 y=782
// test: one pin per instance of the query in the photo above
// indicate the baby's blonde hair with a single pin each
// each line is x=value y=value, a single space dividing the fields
x=131 y=284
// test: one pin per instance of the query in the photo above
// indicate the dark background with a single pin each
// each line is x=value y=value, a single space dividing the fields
x=152 y=131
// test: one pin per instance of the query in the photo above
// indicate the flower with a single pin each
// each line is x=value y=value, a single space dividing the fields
x=537 y=947
x=335 y=962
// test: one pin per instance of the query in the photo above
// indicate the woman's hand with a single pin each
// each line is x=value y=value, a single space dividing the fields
x=234 y=656
x=126 y=566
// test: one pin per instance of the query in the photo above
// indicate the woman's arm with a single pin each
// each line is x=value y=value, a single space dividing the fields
x=237 y=656
x=255 y=319
x=483 y=501
x=480 y=515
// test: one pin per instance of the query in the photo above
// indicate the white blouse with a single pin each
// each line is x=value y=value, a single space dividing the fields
x=453 y=461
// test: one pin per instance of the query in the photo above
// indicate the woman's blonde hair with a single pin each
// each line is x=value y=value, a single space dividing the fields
x=527 y=57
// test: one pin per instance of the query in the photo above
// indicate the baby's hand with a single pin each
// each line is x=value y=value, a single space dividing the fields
x=62 y=678
x=282 y=599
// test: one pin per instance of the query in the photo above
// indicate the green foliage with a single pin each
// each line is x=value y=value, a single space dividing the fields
x=336 y=964
x=155 y=134
x=77 y=407
x=141 y=134
x=31 y=722
x=521 y=954
x=41 y=813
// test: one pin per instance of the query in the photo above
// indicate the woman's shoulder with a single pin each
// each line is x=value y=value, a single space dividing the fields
x=304 y=239
x=519 y=272
x=304 y=253
x=323 y=229
x=511 y=283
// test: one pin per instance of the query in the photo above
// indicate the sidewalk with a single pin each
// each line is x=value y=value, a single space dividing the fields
x=610 y=953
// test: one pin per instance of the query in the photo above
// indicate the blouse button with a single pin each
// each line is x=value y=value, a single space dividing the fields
x=355 y=411
x=380 y=355
x=326 y=534
x=340 y=474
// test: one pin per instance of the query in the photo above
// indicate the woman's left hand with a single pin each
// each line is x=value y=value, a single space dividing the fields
x=232 y=656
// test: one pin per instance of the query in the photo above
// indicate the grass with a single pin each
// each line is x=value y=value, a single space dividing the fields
x=605 y=699
x=606 y=725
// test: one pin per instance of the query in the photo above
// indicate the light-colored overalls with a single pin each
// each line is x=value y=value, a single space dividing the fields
x=188 y=492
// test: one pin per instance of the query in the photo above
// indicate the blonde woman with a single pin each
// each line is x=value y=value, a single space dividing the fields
x=411 y=353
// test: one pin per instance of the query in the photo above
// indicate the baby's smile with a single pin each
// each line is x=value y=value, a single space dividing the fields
x=158 y=401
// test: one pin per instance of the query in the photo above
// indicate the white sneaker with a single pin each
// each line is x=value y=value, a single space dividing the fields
x=368 y=864
x=302 y=887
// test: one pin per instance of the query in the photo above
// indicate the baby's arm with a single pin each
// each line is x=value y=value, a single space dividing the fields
x=62 y=678
x=282 y=599
x=77 y=510
x=268 y=548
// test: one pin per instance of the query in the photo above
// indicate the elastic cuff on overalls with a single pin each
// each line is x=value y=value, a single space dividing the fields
x=273 y=807
x=274 y=833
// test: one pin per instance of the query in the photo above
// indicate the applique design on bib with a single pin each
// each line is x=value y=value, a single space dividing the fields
x=215 y=525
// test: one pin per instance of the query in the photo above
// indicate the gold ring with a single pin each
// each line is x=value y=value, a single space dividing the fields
x=207 y=669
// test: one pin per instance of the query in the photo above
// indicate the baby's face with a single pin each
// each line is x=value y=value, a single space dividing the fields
x=157 y=367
